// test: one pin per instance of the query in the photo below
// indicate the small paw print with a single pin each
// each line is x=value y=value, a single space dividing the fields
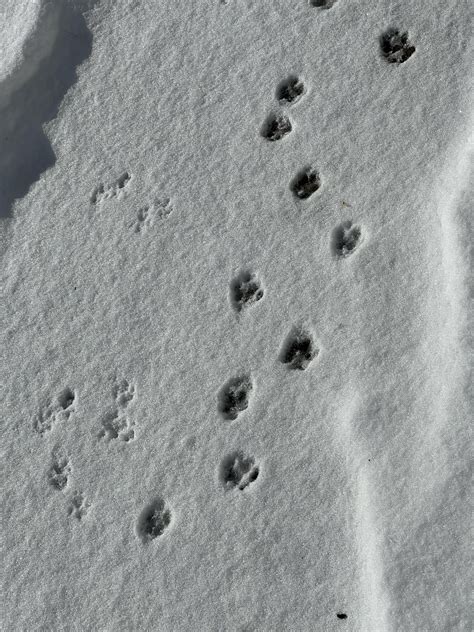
x=78 y=506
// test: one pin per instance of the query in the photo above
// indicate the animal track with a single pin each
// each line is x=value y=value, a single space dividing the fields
x=276 y=127
x=290 y=90
x=58 y=473
x=57 y=410
x=305 y=183
x=154 y=520
x=322 y=4
x=395 y=46
x=234 y=397
x=239 y=471
x=124 y=392
x=245 y=290
x=346 y=238
x=44 y=420
x=115 y=423
x=115 y=189
x=66 y=401
x=148 y=215
x=299 y=349
x=78 y=505
x=117 y=426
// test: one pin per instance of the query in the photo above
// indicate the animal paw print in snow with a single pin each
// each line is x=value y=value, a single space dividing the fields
x=245 y=290
x=147 y=215
x=290 y=90
x=346 y=238
x=154 y=520
x=299 y=349
x=276 y=127
x=395 y=46
x=238 y=471
x=58 y=473
x=116 y=189
x=235 y=396
x=78 y=506
x=116 y=423
x=59 y=409
x=305 y=183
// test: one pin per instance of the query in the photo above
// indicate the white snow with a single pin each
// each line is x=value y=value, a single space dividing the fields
x=18 y=20
x=235 y=389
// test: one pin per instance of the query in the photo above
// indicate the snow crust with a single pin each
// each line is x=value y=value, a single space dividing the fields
x=236 y=315
x=18 y=20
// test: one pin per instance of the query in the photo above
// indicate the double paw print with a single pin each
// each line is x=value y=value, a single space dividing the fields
x=118 y=189
x=116 y=424
x=59 y=477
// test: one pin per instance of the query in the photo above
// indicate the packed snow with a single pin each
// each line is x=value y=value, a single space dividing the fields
x=236 y=316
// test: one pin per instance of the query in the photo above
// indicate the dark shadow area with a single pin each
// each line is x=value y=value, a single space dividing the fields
x=25 y=149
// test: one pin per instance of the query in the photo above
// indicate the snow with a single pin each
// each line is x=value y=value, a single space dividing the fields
x=236 y=369
x=18 y=21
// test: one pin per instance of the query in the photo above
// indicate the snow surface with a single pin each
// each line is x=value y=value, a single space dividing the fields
x=227 y=404
x=18 y=20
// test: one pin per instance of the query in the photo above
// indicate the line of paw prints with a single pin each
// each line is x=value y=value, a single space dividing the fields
x=238 y=471
x=395 y=48
x=300 y=349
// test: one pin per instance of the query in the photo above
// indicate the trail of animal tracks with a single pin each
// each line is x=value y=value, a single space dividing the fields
x=236 y=334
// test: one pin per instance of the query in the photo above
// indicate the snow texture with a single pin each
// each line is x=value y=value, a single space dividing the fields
x=236 y=315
